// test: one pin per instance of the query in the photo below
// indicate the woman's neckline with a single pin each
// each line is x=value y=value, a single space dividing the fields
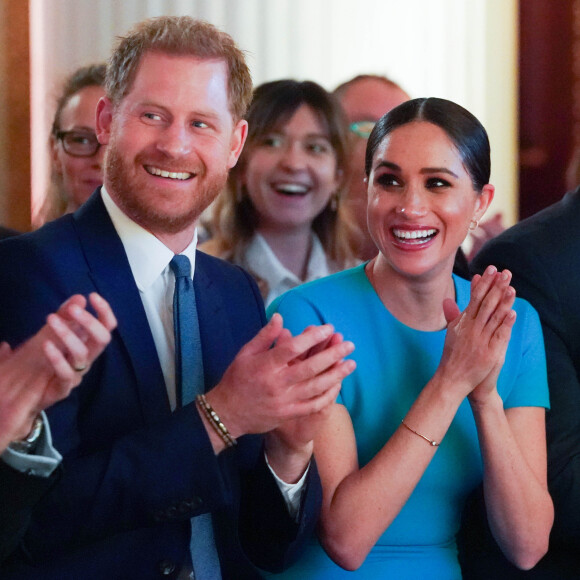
x=418 y=306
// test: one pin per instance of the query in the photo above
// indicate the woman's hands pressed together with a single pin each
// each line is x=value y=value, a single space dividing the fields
x=477 y=338
x=519 y=509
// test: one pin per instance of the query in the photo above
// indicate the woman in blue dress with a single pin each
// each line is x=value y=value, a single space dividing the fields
x=450 y=387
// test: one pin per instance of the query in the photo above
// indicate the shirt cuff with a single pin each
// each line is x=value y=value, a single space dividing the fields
x=43 y=462
x=291 y=492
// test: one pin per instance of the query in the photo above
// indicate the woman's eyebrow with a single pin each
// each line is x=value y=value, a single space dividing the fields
x=438 y=170
x=388 y=165
x=424 y=171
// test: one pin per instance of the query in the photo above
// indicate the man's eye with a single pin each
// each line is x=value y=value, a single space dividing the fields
x=200 y=125
x=152 y=116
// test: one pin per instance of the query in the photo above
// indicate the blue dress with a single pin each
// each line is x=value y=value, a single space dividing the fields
x=394 y=362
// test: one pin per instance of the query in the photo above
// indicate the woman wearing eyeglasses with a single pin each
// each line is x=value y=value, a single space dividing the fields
x=281 y=217
x=77 y=156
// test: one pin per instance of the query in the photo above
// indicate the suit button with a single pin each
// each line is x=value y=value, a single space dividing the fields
x=166 y=567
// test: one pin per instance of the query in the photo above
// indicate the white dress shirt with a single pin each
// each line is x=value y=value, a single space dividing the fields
x=149 y=261
x=260 y=260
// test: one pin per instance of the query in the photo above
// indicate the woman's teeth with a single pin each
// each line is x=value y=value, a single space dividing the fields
x=291 y=189
x=414 y=236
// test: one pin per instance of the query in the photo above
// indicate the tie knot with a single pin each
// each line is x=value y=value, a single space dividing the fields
x=181 y=266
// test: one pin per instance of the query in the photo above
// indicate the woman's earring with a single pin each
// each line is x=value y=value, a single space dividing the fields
x=334 y=202
x=239 y=194
x=473 y=224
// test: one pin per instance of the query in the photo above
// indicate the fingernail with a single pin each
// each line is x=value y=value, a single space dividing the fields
x=75 y=310
x=55 y=320
x=491 y=271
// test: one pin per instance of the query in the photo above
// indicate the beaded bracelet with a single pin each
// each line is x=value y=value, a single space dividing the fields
x=215 y=421
x=430 y=441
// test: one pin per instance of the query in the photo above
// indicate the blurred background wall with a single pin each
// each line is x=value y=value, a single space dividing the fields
x=464 y=50
x=15 y=175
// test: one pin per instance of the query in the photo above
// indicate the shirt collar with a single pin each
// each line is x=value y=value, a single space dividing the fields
x=318 y=264
x=261 y=260
x=148 y=256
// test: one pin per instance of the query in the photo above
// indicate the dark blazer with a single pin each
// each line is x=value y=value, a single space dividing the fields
x=19 y=493
x=7 y=232
x=543 y=253
x=135 y=473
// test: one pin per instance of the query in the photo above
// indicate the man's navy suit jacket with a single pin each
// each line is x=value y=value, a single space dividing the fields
x=19 y=493
x=134 y=473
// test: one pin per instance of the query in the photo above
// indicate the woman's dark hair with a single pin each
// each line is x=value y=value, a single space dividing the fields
x=273 y=105
x=275 y=102
x=465 y=131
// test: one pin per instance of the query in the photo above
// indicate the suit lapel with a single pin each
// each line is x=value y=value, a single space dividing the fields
x=214 y=323
x=110 y=271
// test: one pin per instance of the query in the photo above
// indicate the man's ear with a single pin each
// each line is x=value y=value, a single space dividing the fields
x=239 y=137
x=104 y=120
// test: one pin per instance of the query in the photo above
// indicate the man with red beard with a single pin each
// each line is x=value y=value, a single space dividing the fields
x=154 y=485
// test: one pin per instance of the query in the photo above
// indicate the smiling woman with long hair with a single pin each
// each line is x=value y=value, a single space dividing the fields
x=281 y=217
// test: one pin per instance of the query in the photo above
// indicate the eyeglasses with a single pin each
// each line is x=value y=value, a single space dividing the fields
x=362 y=128
x=79 y=143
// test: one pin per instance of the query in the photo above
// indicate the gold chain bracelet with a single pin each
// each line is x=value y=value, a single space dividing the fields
x=430 y=441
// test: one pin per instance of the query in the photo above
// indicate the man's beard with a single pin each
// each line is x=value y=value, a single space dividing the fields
x=131 y=200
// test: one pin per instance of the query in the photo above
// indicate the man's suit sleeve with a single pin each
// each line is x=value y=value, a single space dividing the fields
x=19 y=493
x=270 y=538
x=537 y=277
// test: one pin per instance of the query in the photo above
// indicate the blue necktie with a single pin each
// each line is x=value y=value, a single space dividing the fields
x=188 y=360
x=189 y=383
